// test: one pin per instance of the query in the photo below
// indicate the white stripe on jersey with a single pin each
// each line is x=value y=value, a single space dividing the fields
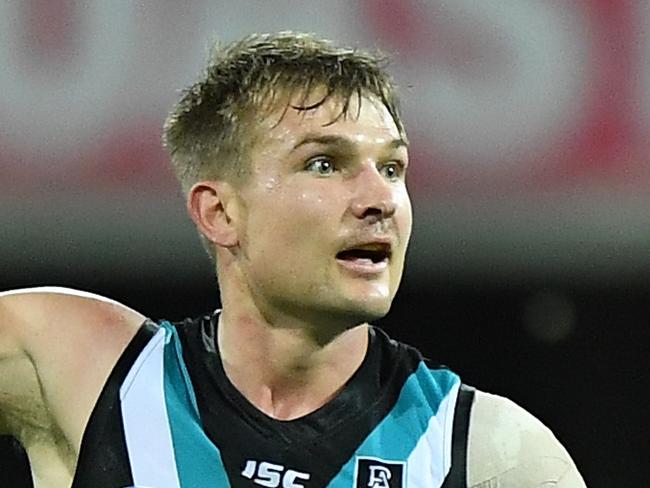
x=145 y=419
x=424 y=468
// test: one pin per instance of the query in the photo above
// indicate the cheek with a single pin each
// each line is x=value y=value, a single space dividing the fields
x=306 y=203
x=405 y=219
x=314 y=201
x=292 y=220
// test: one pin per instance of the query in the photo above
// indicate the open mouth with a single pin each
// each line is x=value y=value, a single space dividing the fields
x=368 y=260
x=364 y=255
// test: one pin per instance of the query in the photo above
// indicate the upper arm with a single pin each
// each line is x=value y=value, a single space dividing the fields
x=510 y=448
x=17 y=376
x=57 y=346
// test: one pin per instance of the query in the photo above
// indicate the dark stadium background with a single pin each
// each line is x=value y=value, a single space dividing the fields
x=529 y=270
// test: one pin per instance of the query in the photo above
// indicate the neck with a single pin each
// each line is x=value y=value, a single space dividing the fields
x=287 y=371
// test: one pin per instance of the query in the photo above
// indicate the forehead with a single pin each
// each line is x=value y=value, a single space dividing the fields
x=366 y=121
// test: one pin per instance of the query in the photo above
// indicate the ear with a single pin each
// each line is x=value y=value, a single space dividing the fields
x=212 y=205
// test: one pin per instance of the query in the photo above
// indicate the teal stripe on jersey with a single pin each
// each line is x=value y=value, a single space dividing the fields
x=396 y=436
x=198 y=460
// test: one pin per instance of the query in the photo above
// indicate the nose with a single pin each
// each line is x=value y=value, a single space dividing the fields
x=374 y=196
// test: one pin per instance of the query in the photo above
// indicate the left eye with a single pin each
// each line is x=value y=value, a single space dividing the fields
x=321 y=165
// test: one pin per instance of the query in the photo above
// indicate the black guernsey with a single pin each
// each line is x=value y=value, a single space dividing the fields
x=168 y=417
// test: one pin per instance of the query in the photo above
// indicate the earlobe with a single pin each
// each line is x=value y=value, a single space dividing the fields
x=210 y=207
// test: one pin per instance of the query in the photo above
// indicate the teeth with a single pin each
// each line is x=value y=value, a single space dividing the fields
x=362 y=254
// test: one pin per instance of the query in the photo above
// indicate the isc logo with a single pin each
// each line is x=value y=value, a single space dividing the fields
x=273 y=475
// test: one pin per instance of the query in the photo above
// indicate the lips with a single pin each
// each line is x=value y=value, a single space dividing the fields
x=365 y=258
x=374 y=253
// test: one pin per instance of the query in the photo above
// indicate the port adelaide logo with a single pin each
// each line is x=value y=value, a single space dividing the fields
x=379 y=473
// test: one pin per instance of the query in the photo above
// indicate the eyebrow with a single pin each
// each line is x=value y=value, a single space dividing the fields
x=343 y=142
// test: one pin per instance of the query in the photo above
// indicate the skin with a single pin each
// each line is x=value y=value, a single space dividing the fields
x=294 y=323
x=57 y=348
x=510 y=448
x=300 y=313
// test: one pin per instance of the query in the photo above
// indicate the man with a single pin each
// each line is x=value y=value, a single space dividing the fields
x=293 y=158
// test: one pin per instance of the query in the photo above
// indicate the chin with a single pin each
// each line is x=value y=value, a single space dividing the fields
x=351 y=313
x=371 y=310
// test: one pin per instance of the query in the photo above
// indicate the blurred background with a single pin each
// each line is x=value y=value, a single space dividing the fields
x=529 y=270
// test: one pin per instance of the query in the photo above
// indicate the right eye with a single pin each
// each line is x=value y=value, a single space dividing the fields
x=321 y=165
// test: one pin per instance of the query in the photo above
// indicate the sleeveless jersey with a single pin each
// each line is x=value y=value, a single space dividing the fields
x=168 y=417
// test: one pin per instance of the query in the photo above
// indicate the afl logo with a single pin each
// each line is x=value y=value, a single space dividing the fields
x=379 y=473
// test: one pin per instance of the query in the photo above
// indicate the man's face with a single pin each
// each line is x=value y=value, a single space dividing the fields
x=326 y=214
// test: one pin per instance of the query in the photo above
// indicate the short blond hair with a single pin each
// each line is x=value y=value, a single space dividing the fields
x=211 y=129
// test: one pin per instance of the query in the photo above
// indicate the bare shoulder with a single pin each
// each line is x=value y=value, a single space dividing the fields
x=45 y=305
x=57 y=347
x=509 y=447
x=31 y=317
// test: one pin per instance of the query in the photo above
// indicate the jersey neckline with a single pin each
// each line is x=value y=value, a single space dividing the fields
x=360 y=391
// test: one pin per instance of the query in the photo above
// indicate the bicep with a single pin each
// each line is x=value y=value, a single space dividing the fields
x=38 y=329
x=509 y=447
x=9 y=344
x=19 y=389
